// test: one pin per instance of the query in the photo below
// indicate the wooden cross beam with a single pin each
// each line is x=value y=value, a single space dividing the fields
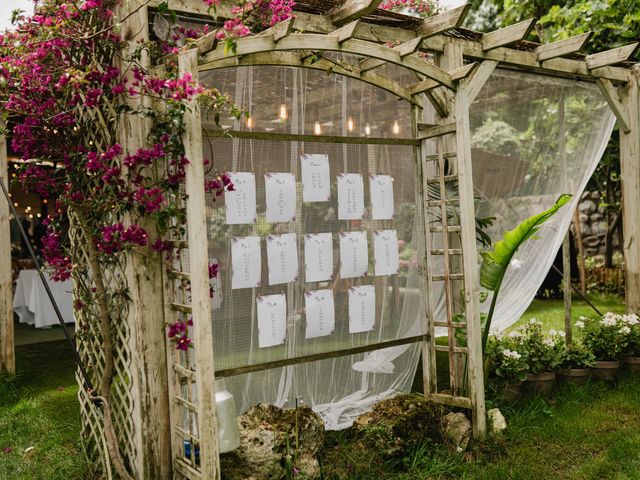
x=403 y=49
x=346 y=32
x=508 y=35
x=280 y=30
x=562 y=47
x=612 y=96
x=352 y=10
x=456 y=74
x=444 y=21
x=613 y=56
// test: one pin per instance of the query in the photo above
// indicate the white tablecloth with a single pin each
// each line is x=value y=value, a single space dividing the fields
x=32 y=304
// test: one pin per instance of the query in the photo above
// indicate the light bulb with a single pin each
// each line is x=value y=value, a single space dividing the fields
x=367 y=130
x=284 y=114
x=45 y=201
x=396 y=127
x=350 y=124
x=317 y=129
x=15 y=204
x=250 y=122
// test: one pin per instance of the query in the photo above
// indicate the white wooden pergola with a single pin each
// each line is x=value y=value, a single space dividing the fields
x=449 y=66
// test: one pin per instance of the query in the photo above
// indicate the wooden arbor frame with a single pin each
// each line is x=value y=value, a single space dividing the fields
x=462 y=62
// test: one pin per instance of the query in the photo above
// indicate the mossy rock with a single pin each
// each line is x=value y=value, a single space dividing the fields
x=401 y=423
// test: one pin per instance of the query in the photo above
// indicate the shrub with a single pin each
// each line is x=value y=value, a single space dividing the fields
x=576 y=355
x=542 y=352
x=607 y=338
x=504 y=362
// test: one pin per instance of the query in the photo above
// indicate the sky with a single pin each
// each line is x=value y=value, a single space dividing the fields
x=7 y=6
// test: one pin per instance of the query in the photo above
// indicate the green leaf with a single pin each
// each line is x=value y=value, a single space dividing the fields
x=496 y=262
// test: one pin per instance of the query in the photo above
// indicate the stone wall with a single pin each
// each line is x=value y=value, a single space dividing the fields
x=593 y=224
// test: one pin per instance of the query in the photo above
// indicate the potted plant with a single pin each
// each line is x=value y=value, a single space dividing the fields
x=543 y=356
x=575 y=364
x=631 y=354
x=606 y=338
x=506 y=367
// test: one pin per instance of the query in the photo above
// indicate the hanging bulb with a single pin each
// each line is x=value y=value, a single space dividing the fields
x=350 y=124
x=284 y=114
x=367 y=130
x=317 y=129
x=250 y=122
x=396 y=127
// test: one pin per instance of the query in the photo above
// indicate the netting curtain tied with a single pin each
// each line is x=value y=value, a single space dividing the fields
x=534 y=137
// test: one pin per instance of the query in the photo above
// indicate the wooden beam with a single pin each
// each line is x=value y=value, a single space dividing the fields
x=7 y=341
x=198 y=263
x=346 y=32
x=508 y=35
x=630 y=176
x=562 y=47
x=351 y=10
x=457 y=74
x=403 y=49
x=479 y=77
x=279 y=30
x=612 y=96
x=438 y=100
x=613 y=56
x=444 y=21
x=426 y=131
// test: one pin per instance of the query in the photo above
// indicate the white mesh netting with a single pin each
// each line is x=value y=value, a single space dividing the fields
x=534 y=137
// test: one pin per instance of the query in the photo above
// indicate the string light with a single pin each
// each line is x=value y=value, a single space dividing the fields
x=367 y=130
x=15 y=204
x=284 y=114
x=250 y=122
x=396 y=127
x=45 y=201
x=317 y=129
x=350 y=124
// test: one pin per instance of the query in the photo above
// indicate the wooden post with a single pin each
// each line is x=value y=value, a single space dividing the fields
x=198 y=262
x=147 y=342
x=630 y=175
x=7 y=349
x=582 y=271
x=566 y=242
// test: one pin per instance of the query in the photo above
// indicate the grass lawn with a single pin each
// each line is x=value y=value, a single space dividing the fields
x=590 y=433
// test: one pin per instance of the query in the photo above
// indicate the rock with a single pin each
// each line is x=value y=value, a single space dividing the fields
x=588 y=206
x=268 y=442
x=397 y=424
x=496 y=423
x=457 y=430
x=592 y=242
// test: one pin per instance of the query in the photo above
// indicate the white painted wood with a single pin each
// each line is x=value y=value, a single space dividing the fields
x=563 y=47
x=613 y=56
x=612 y=96
x=198 y=262
x=351 y=10
x=508 y=35
x=630 y=175
x=7 y=345
x=444 y=21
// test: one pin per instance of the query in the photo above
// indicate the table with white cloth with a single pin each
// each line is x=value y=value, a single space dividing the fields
x=31 y=302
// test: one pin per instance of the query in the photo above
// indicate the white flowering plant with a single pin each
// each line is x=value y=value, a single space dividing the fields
x=576 y=355
x=632 y=324
x=504 y=362
x=543 y=352
x=607 y=337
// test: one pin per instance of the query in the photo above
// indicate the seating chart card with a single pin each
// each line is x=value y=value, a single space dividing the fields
x=316 y=180
x=385 y=249
x=318 y=257
x=362 y=309
x=282 y=257
x=354 y=254
x=382 y=206
x=280 y=189
x=272 y=320
x=320 y=313
x=350 y=196
x=241 y=202
x=246 y=262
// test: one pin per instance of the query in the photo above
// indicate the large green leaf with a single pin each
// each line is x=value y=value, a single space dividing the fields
x=496 y=261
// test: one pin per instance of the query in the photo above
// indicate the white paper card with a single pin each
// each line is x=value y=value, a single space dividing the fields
x=385 y=250
x=316 y=180
x=362 y=309
x=382 y=207
x=241 y=202
x=320 y=313
x=318 y=257
x=282 y=256
x=246 y=262
x=354 y=254
x=280 y=189
x=350 y=196
x=272 y=320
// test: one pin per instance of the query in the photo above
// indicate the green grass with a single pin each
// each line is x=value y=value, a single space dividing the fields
x=39 y=417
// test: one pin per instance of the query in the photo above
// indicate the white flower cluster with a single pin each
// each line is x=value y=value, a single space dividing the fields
x=511 y=354
x=630 y=320
x=515 y=334
x=549 y=342
x=579 y=324
x=625 y=330
x=609 y=320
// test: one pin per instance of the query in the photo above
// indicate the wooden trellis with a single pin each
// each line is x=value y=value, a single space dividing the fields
x=449 y=66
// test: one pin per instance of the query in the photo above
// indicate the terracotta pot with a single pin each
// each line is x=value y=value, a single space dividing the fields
x=632 y=364
x=577 y=376
x=541 y=383
x=605 y=370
